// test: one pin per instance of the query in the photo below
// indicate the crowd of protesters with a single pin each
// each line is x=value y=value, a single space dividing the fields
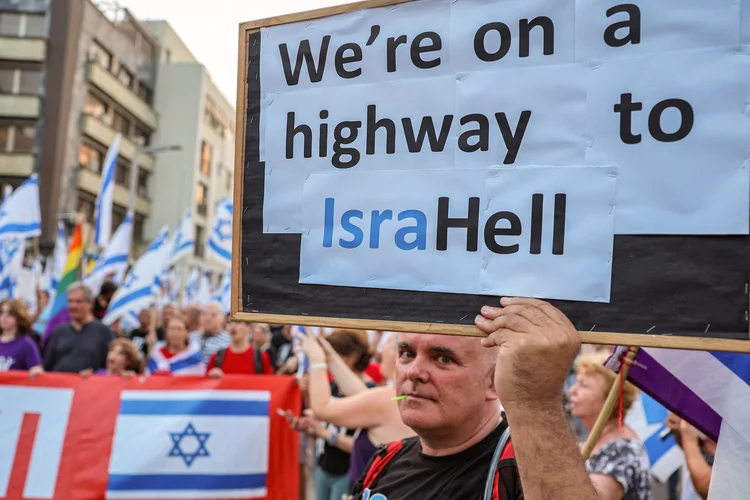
x=347 y=389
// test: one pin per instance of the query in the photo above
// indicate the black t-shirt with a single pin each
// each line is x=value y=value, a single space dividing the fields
x=333 y=460
x=412 y=474
x=282 y=348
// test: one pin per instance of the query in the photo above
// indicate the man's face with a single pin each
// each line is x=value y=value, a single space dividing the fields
x=213 y=319
x=448 y=380
x=79 y=307
x=166 y=314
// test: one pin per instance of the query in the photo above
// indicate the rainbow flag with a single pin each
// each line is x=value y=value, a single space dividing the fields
x=59 y=313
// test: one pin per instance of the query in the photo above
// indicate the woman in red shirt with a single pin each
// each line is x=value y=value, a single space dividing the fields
x=240 y=358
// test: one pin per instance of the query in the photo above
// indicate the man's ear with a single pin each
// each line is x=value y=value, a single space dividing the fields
x=491 y=393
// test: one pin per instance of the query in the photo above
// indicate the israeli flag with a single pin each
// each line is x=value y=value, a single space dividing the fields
x=56 y=265
x=223 y=294
x=191 y=290
x=138 y=291
x=103 y=207
x=114 y=259
x=20 y=215
x=11 y=265
x=183 y=243
x=220 y=239
x=190 y=444
x=647 y=418
x=203 y=297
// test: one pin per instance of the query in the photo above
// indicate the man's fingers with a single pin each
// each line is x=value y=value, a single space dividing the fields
x=548 y=309
x=514 y=322
x=499 y=337
x=531 y=313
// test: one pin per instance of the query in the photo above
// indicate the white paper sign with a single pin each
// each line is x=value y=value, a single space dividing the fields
x=463 y=231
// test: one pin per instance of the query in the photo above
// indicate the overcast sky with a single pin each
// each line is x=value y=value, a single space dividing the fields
x=209 y=28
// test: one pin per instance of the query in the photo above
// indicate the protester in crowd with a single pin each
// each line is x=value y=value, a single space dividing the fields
x=241 y=357
x=372 y=411
x=213 y=337
x=101 y=303
x=123 y=359
x=451 y=388
x=618 y=466
x=281 y=342
x=194 y=316
x=176 y=355
x=17 y=350
x=167 y=312
x=81 y=345
x=260 y=337
x=140 y=335
x=699 y=458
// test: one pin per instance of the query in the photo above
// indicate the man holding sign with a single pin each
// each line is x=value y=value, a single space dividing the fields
x=452 y=387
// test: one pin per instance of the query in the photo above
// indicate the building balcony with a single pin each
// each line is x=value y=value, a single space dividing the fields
x=103 y=133
x=22 y=49
x=114 y=88
x=91 y=182
x=16 y=165
x=19 y=106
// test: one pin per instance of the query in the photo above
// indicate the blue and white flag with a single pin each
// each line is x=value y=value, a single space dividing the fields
x=203 y=297
x=223 y=294
x=103 y=206
x=190 y=444
x=20 y=215
x=139 y=289
x=191 y=289
x=183 y=243
x=57 y=263
x=647 y=418
x=114 y=259
x=220 y=239
x=11 y=265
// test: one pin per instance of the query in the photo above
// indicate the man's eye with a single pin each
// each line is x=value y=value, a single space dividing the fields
x=445 y=360
x=405 y=354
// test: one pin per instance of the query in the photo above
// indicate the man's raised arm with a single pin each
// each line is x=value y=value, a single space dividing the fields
x=536 y=347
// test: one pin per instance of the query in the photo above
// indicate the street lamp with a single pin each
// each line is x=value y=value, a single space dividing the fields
x=134 y=168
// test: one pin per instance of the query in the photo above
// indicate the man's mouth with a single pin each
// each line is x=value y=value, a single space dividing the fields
x=415 y=395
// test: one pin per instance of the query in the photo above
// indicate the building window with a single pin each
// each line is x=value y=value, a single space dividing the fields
x=101 y=56
x=201 y=198
x=142 y=136
x=24 y=139
x=145 y=93
x=118 y=215
x=138 y=222
x=143 y=183
x=10 y=24
x=121 y=124
x=95 y=107
x=31 y=82
x=35 y=25
x=6 y=80
x=206 y=158
x=86 y=205
x=125 y=76
x=200 y=241
x=122 y=174
x=4 y=138
x=90 y=158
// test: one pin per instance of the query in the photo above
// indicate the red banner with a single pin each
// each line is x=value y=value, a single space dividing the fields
x=57 y=433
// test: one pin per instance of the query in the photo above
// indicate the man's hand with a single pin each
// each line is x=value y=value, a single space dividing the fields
x=215 y=373
x=86 y=373
x=35 y=371
x=673 y=423
x=537 y=347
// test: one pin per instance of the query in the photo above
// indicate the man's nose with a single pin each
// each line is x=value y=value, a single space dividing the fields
x=418 y=369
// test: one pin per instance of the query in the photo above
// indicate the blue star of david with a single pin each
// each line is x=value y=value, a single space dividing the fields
x=191 y=435
x=129 y=280
x=224 y=229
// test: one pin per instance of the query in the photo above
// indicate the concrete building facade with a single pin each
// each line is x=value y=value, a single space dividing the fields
x=194 y=113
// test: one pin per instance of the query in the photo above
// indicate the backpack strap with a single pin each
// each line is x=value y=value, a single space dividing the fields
x=258 y=356
x=220 y=357
x=503 y=451
x=381 y=459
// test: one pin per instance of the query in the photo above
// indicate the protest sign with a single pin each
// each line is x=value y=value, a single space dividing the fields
x=401 y=164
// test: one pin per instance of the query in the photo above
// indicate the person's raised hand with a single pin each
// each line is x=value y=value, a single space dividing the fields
x=309 y=344
x=537 y=346
x=673 y=423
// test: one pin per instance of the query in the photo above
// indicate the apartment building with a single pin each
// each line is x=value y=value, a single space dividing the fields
x=194 y=113
x=23 y=34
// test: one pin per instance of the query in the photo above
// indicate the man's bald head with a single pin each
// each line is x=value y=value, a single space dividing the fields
x=214 y=319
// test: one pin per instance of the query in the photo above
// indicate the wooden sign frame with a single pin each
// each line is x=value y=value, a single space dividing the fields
x=237 y=313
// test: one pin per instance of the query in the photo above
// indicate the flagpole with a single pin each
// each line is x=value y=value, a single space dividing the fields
x=609 y=405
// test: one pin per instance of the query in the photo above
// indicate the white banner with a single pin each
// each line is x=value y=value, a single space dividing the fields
x=463 y=231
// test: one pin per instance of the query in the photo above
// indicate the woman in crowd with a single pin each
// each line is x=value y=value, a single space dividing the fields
x=176 y=356
x=371 y=410
x=619 y=465
x=17 y=350
x=123 y=359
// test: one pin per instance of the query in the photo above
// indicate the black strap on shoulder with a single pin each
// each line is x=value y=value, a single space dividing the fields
x=258 y=353
x=220 y=357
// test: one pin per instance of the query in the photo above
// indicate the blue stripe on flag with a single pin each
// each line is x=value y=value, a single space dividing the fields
x=194 y=407
x=134 y=295
x=163 y=482
x=115 y=259
x=738 y=363
x=193 y=360
x=220 y=251
x=20 y=228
